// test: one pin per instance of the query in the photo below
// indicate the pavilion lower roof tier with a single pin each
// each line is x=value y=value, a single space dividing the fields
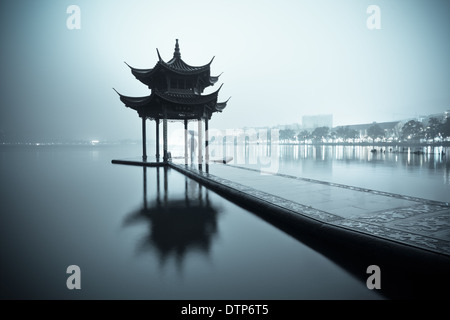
x=175 y=106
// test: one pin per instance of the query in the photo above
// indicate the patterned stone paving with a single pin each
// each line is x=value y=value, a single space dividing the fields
x=389 y=215
x=429 y=224
x=424 y=224
x=410 y=238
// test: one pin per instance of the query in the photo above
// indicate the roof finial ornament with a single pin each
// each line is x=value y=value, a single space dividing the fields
x=159 y=56
x=176 y=53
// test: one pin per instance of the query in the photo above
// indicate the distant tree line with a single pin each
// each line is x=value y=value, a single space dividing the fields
x=412 y=131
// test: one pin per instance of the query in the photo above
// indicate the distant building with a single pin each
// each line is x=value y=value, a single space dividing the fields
x=316 y=121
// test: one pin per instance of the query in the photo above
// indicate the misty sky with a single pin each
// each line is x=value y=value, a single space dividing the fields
x=280 y=60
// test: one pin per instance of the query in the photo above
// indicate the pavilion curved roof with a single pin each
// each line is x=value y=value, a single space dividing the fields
x=175 y=102
x=151 y=104
x=188 y=98
x=175 y=65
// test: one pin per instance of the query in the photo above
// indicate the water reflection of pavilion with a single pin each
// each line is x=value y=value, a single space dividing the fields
x=177 y=226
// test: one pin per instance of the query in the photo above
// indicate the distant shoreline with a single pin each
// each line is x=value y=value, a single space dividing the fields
x=445 y=144
x=368 y=144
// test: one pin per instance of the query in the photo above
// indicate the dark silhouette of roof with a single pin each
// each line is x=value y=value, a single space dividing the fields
x=178 y=67
x=176 y=90
x=178 y=105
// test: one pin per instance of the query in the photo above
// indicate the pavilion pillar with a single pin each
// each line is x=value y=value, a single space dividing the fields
x=157 y=139
x=185 y=141
x=144 y=140
x=206 y=145
x=165 y=155
x=200 y=156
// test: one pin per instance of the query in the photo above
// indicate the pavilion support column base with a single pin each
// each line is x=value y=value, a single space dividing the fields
x=200 y=155
x=144 y=140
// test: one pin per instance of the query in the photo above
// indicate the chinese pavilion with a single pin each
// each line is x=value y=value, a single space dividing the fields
x=176 y=94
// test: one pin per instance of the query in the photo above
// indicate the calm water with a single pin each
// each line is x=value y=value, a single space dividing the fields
x=397 y=171
x=154 y=234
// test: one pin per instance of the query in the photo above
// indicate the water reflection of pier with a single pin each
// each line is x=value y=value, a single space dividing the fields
x=177 y=226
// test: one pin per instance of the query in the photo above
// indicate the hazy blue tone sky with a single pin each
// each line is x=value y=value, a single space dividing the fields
x=280 y=60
